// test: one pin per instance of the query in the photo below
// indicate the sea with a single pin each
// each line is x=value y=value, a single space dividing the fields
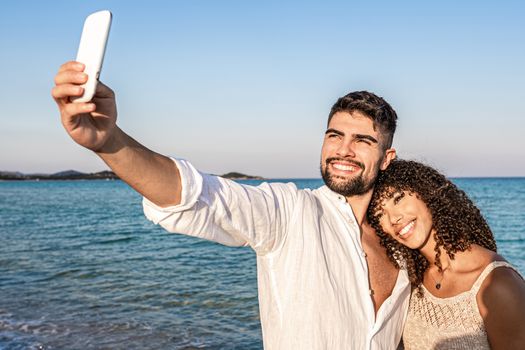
x=82 y=268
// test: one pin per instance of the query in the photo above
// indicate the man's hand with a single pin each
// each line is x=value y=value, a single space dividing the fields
x=93 y=125
x=89 y=124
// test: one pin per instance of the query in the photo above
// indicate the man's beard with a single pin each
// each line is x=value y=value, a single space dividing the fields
x=348 y=187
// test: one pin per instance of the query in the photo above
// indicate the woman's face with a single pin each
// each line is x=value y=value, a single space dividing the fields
x=407 y=219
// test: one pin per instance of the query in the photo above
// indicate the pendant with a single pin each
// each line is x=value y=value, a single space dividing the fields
x=438 y=285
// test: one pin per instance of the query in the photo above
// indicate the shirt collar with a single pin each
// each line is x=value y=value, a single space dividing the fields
x=332 y=195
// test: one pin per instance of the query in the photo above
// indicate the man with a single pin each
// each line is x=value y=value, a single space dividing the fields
x=324 y=281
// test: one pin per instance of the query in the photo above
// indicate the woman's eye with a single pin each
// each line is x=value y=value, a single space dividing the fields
x=398 y=198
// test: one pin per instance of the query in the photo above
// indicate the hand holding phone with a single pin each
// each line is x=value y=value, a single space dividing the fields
x=91 y=50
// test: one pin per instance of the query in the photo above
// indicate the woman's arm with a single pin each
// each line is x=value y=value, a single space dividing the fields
x=501 y=302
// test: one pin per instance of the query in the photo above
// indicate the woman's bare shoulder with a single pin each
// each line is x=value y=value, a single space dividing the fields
x=501 y=303
x=474 y=260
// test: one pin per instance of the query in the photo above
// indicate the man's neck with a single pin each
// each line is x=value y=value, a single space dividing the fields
x=359 y=206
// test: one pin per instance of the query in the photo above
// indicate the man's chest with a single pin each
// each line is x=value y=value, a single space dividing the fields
x=382 y=274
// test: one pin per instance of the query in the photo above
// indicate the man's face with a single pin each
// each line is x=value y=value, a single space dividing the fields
x=352 y=154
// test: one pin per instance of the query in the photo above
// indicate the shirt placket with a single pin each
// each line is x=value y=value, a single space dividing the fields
x=350 y=217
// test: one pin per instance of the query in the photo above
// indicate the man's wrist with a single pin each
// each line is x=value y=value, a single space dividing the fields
x=114 y=143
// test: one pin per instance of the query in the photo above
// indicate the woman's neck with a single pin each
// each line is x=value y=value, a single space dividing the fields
x=428 y=250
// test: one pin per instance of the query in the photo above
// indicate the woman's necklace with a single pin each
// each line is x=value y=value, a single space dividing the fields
x=438 y=284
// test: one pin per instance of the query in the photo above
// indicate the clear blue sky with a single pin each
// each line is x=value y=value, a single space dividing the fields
x=247 y=85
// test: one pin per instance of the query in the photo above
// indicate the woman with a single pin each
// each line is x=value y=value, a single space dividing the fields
x=464 y=295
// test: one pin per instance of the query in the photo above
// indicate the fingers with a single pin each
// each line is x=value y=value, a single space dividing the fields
x=70 y=77
x=73 y=109
x=71 y=72
x=72 y=65
x=65 y=91
x=67 y=82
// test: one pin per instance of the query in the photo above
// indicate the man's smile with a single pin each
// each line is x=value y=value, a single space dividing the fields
x=343 y=167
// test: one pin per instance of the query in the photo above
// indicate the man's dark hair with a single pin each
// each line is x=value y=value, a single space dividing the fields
x=374 y=107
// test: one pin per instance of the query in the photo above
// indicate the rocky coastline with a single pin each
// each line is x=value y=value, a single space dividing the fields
x=101 y=175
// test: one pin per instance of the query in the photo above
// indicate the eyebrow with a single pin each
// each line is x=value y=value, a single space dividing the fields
x=334 y=131
x=366 y=137
x=357 y=136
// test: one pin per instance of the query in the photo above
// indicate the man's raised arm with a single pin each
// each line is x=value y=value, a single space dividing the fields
x=93 y=125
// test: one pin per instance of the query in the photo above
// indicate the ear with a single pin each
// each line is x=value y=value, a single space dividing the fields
x=390 y=155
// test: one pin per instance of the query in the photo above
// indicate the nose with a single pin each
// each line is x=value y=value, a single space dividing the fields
x=345 y=149
x=395 y=218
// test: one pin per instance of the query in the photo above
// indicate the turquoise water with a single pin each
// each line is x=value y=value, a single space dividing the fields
x=81 y=268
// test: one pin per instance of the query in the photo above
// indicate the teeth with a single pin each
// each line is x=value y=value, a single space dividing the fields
x=407 y=228
x=344 y=167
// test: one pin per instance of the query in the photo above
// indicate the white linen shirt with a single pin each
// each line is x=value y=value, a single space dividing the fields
x=311 y=268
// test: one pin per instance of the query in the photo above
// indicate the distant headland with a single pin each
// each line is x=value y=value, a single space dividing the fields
x=101 y=175
x=239 y=176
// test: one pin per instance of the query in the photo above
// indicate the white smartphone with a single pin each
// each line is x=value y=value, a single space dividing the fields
x=91 y=50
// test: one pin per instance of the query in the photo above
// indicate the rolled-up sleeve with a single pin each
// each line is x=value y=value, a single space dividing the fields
x=227 y=212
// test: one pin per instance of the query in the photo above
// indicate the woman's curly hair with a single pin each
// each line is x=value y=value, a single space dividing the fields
x=458 y=223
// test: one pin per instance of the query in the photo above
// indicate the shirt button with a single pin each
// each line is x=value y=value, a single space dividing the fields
x=363 y=253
